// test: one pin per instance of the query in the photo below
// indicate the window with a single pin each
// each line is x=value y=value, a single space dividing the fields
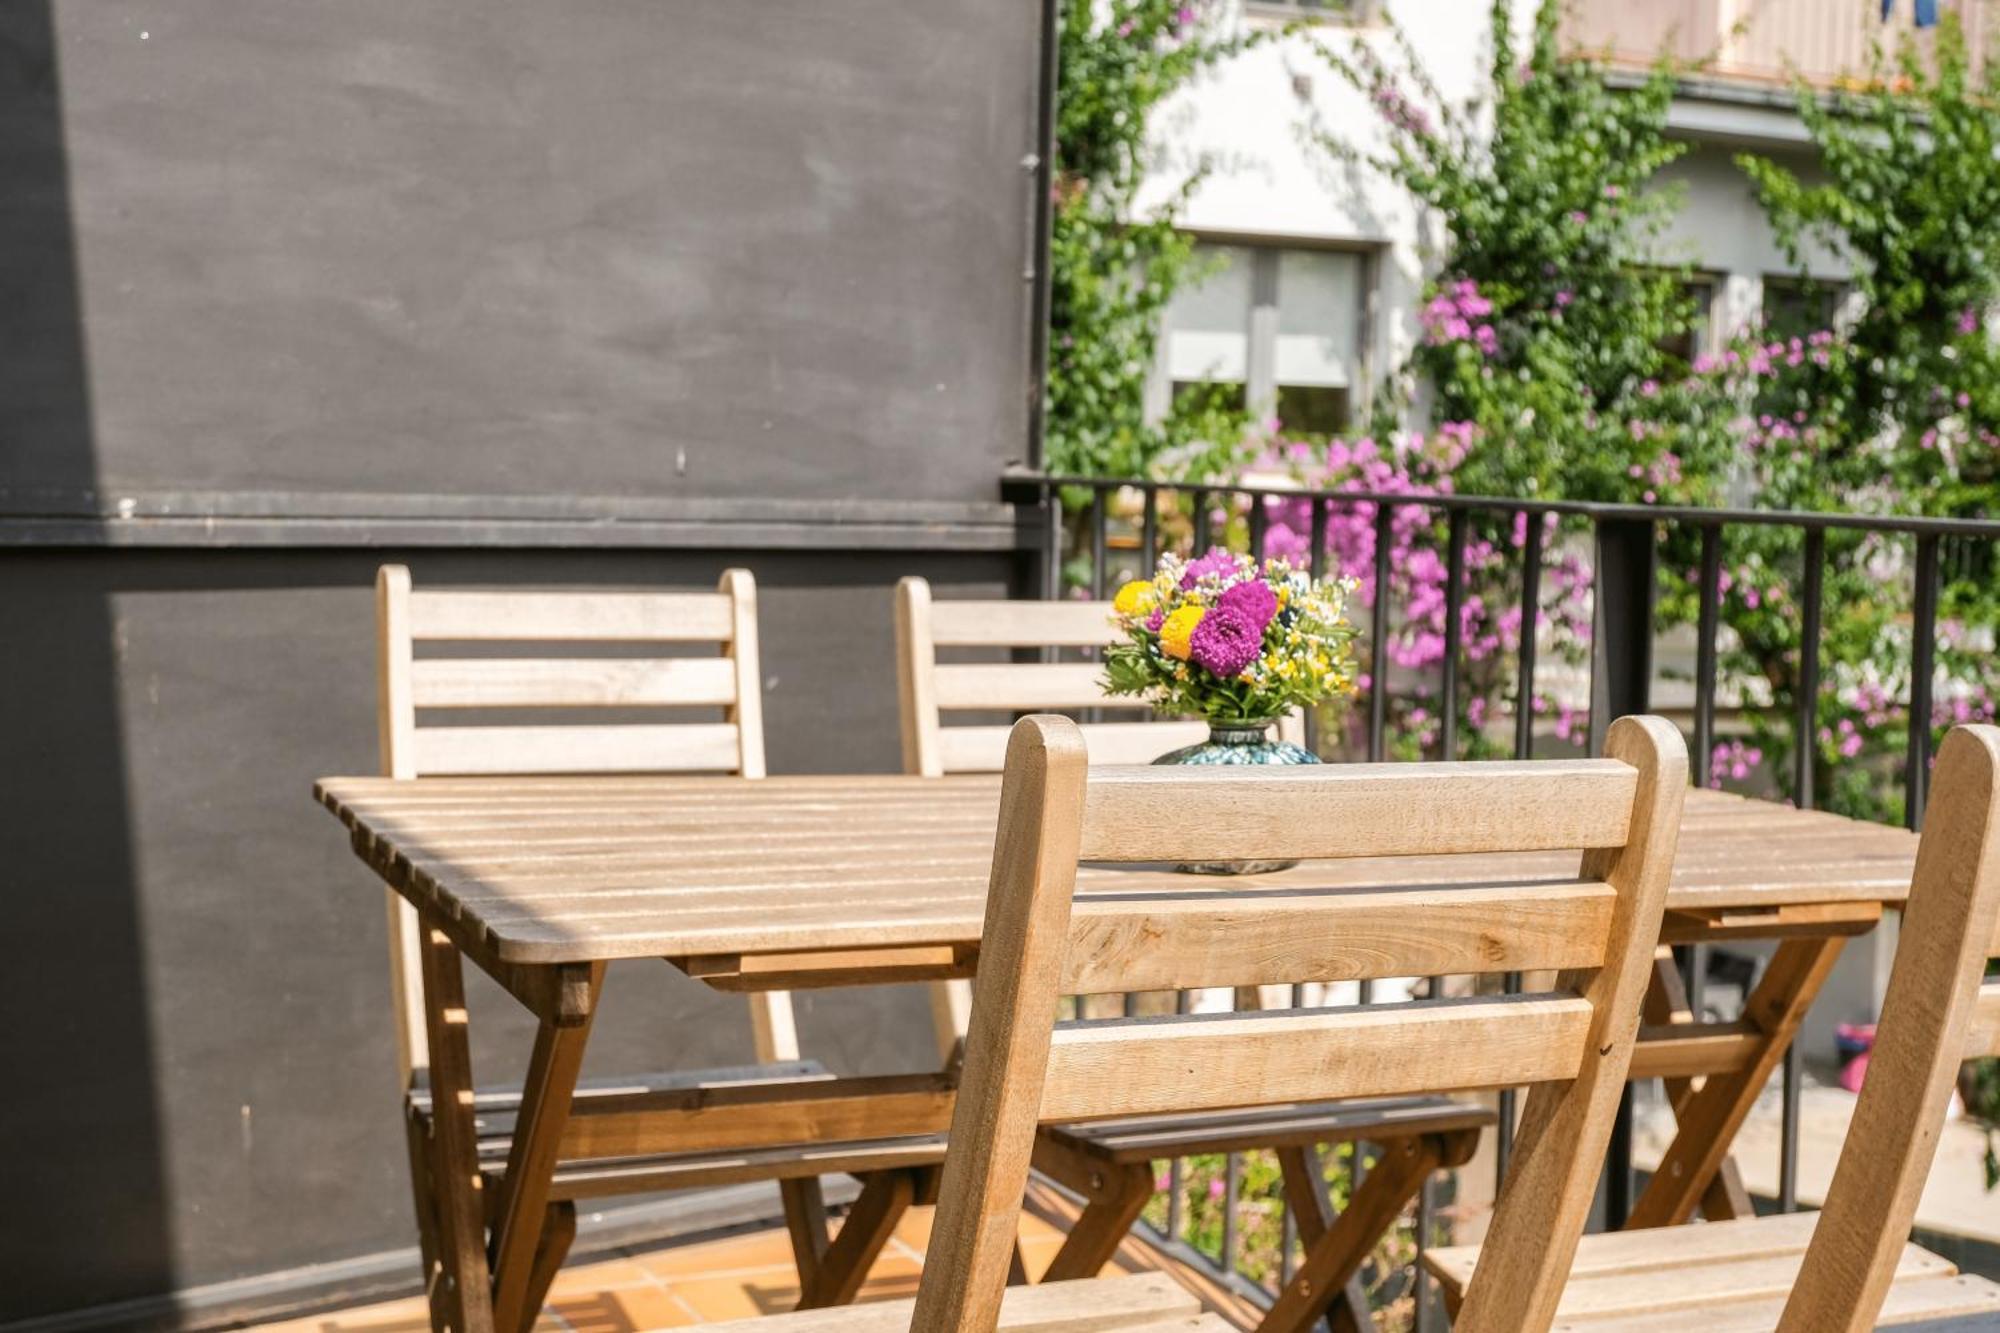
x=1284 y=324
x=1336 y=11
x=1796 y=307
x=1699 y=291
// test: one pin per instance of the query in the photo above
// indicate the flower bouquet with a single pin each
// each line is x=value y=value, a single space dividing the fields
x=1240 y=645
x=1222 y=638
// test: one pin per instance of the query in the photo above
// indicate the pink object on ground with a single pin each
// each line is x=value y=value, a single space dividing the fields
x=1854 y=1041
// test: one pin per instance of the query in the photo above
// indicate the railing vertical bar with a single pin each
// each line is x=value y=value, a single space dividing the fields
x=1149 y=534
x=1316 y=551
x=1454 y=629
x=1503 y=1138
x=1378 y=630
x=1618 y=1165
x=1706 y=628
x=1287 y=1237
x=1176 y=1169
x=1260 y=526
x=1202 y=538
x=1420 y=1279
x=1052 y=547
x=1100 y=505
x=1316 y=564
x=1232 y=1184
x=1531 y=615
x=1806 y=733
x=1788 y=1135
x=1923 y=665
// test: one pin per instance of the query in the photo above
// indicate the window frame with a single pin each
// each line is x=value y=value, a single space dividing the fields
x=1260 y=383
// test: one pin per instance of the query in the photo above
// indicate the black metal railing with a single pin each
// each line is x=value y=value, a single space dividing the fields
x=1624 y=542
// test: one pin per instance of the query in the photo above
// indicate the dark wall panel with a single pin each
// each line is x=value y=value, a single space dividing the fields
x=202 y=1080
x=709 y=248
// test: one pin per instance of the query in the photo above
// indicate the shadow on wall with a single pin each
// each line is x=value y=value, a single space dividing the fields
x=79 y=1120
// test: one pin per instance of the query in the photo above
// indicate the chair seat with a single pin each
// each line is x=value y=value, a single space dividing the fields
x=495 y=1109
x=1297 y=1125
x=1720 y=1277
x=1145 y=1303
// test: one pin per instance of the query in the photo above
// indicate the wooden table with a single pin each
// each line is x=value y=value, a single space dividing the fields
x=795 y=882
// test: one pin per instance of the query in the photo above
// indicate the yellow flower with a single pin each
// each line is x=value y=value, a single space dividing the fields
x=1135 y=597
x=1176 y=629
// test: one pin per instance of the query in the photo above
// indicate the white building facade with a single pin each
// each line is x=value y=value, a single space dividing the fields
x=1325 y=261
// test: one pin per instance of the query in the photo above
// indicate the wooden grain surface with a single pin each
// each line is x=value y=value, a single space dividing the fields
x=574 y=869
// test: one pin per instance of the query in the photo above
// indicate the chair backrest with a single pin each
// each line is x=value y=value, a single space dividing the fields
x=557 y=686
x=930 y=690
x=1574 y=1044
x=1938 y=1011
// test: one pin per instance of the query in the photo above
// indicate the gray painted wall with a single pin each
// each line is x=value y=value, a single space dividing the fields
x=673 y=247
x=606 y=291
x=203 y=1081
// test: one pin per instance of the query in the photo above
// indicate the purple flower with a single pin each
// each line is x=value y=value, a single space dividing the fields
x=1254 y=600
x=1218 y=562
x=1225 y=642
x=1157 y=619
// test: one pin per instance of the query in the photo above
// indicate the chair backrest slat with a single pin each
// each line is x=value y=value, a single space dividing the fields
x=588 y=682
x=1225 y=937
x=689 y=747
x=564 y=682
x=583 y=617
x=1353 y=810
x=1572 y=1044
x=931 y=690
x=1935 y=1013
x=1018 y=624
x=1147 y=1066
x=1983 y=1038
x=983 y=749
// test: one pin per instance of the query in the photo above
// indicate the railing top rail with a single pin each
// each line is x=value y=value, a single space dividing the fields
x=1014 y=483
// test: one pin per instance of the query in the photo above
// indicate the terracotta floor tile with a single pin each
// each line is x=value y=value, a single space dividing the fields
x=602 y=1274
x=731 y=1254
x=740 y=1297
x=915 y=1228
x=406 y=1316
x=613 y=1310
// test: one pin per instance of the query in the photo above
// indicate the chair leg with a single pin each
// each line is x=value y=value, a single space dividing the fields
x=885 y=1197
x=805 y=1218
x=1105 y=1222
x=416 y=1135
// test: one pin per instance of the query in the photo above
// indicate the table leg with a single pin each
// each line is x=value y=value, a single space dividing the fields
x=885 y=1196
x=464 y=1294
x=1710 y=1117
x=1107 y=1219
x=521 y=1210
x=1668 y=1001
x=804 y=1203
x=1303 y=1174
x=1339 y=1253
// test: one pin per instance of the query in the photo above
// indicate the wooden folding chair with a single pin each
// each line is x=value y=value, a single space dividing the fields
x=1110 y=1164
x=413 y=688
x=1849 y=1266
x=1042 y=940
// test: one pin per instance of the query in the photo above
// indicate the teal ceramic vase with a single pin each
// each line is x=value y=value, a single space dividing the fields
x=1238 y=741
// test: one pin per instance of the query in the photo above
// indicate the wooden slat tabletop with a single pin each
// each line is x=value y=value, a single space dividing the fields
x=556 y=870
